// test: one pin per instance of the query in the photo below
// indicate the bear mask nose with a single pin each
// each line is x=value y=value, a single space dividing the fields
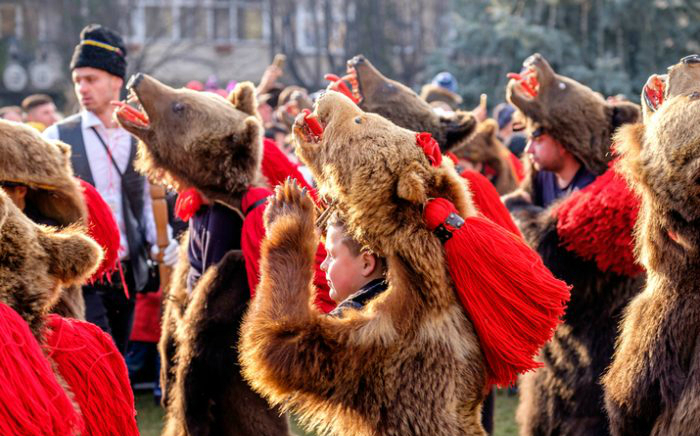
x=359 y=59
x=692 y=59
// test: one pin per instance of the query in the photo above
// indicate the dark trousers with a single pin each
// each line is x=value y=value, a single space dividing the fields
x=107 y=306
x=487 y=412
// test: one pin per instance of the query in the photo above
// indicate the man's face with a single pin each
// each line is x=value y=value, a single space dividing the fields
x=546 y=152
x=44 y=114
x=343 y=268
x=95 y=88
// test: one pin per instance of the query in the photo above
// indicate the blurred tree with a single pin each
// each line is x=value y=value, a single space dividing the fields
x=610 y=45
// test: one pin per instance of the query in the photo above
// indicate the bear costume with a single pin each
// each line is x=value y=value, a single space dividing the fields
x=499 y=165
x=653 y=384
x=410 y=362
x=36 y=263
x=584 y=239
x=199 y=140
x=373 y=92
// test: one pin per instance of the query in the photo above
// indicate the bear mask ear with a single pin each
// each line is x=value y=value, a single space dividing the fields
x=411 y=184
x=457 y=128
x=73 y=256
x=243 y=98
x=624 y=113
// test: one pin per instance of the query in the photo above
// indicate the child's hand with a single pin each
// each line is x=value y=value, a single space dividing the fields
x=289 y=201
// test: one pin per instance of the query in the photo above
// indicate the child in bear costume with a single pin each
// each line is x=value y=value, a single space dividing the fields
x=419 y=358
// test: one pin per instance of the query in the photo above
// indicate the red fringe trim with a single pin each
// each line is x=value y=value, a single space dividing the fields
x=96 y=373
x=513 y=300
x=597 y=223
x=32 y=402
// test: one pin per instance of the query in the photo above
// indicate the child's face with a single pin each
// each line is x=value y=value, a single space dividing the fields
x=344 y=270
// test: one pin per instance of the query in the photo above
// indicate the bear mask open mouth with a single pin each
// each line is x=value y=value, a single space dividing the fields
x=527 y=81
x=131 y=112
x=654 y=92
x=338 y=84
x=309 y=127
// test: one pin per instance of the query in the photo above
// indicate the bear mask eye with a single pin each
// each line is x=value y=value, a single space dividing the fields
x=178 y=107
x=358 y=120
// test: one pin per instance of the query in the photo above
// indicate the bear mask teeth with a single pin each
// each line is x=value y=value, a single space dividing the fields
x=654 y=91
x=131 y=115
x=527 y=79
x=312 y=125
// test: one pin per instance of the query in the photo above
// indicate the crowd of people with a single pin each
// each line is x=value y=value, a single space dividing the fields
x=248 y=188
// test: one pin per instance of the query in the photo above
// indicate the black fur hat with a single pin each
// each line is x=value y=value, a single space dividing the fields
x=100 y=48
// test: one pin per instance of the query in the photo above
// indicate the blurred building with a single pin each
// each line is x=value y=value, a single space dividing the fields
x=182 y=40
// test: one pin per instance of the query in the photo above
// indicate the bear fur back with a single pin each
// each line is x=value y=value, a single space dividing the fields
x=653 y=384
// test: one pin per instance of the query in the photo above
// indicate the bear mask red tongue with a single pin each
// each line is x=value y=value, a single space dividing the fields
x=312 y=123
x=527 y=80
x=131 y=114
x=654 y=92
x=338 y=84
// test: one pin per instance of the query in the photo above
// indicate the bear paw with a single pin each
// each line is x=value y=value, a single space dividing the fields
x=290 y=201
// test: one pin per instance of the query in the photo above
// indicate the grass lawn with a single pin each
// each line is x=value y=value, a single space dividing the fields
x=150 y=416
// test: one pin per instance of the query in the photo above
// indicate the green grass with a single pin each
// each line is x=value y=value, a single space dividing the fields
x=150 y=416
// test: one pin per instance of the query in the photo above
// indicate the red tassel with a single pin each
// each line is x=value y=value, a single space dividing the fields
x=32 y=402
x=94 y=370
x=188 y=203
x=103 y=229
x=513 y=300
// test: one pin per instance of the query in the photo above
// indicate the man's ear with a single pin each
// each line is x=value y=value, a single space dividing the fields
x=243 y=98
x=73 y=256
x=457 y=128
x=411 y=184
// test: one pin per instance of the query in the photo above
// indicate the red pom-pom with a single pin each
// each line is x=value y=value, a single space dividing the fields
x=102 y=227
x=32 y=402
x=430 y=147
x=188 y=203
x=513 y=300
x=95 y=371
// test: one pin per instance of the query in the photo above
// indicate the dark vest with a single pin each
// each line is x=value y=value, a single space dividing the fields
x=132 y=183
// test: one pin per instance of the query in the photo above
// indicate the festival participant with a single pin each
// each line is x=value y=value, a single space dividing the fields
x=103 y=154
x=584 y=238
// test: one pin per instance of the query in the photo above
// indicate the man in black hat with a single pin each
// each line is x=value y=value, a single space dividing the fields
x=103 y=154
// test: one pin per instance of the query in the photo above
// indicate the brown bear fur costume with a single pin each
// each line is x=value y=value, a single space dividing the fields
x=653 y=384
x=202 y=140
x=410 y=362
x=45 y=168
x=36 y=261
x=402 y=106
x=565 y=396
x=483 y=147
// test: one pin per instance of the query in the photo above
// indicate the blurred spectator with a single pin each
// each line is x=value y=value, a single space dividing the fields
x=11 y=113
x=504 y=115
x=40 y=111
x=446 y=80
